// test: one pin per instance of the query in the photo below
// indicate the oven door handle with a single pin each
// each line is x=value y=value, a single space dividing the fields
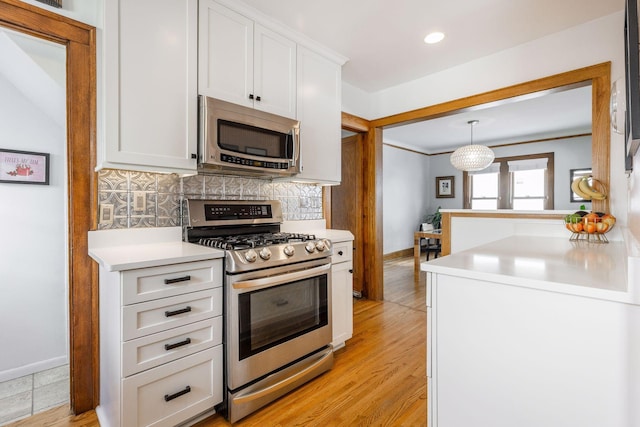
x=267 y=282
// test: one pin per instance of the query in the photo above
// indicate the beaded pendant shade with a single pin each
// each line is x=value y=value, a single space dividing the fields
x=473 y=157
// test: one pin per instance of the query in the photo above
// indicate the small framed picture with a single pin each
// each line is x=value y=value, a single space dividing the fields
x=444 y=187
x=24 y=167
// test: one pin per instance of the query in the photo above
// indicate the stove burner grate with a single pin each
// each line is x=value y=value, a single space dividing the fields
x=249 y=241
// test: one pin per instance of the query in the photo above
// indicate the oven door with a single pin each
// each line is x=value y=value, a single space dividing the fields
x=275 y=317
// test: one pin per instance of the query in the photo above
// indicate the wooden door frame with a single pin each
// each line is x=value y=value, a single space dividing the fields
x=598 y=75
x=80 y=42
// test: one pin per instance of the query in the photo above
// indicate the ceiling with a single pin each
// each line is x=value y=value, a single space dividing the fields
x=384 y=40
x=384 y=44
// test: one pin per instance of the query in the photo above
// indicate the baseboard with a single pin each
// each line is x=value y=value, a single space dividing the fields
x=398 y=254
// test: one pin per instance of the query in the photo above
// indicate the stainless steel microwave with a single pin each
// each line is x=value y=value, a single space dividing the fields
x=246 y=141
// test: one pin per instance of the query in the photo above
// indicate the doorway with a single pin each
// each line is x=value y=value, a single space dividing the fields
x=33 y=171
x=346 y=202
x=80 y=129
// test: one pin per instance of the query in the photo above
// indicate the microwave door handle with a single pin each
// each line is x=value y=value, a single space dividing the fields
x=267 y=282
x=294 y=137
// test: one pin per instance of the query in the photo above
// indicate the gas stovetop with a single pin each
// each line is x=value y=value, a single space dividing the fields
x=249 y=232
x=248 y=241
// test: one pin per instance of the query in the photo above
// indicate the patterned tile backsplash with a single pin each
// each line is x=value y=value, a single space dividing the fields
x=144 y=199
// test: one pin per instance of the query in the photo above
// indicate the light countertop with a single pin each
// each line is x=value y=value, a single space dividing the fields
x=127 y=249
x=549 y=263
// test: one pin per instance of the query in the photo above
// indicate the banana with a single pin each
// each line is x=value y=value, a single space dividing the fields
x=575 y=187
x=587 y=189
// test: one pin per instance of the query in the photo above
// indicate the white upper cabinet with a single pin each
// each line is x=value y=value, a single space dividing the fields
x=243 y=62
x=319 y=112
x=150 y=92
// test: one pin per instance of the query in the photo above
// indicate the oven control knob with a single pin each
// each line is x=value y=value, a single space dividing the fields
x=310 y=247
x=251 y=255
x=289 y=250
x=321 y=245
x=265 y=253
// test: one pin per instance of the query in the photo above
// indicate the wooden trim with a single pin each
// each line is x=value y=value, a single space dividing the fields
x=372 y=215
x=354 y=123
x=598 y=75
x=398 y=254
x=79 y=39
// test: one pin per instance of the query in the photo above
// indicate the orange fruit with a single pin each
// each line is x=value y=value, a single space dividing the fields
x=591 y=217
x=590 y=227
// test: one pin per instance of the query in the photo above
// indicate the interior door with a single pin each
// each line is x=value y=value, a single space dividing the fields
x=346 y=203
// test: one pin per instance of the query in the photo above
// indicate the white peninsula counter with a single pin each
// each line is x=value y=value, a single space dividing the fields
x=534 y=331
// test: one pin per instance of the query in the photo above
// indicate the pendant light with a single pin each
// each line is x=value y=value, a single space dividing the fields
x=473 y=157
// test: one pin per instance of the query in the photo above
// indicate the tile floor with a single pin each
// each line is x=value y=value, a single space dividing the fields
x=28 y=395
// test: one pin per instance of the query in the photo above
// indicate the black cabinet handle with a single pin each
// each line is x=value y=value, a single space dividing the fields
x=258 y=98
x=168 y=347
x=175 y=313
x=176 y=280
x=250 y=96
x=194 y=156
x=340 y=253
x=168 y=397
x=351 y=271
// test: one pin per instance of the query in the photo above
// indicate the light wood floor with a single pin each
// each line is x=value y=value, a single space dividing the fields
x=378 y=379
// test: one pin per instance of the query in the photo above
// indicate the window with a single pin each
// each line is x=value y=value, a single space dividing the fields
x=519 y=183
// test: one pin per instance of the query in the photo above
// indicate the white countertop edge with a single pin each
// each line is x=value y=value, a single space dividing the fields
x=629 y=278
x=563 y=288
x=127 y=249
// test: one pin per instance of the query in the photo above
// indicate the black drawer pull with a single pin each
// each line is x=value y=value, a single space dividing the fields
x=168 y=397
x=250 y=96
x=176 y=280
x=258 y=98
x=175 y=313
x=178 y=344
x=340 y=253
x=351 y=271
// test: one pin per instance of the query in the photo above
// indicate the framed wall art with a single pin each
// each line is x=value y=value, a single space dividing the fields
x=444 y=187
x=24 y=167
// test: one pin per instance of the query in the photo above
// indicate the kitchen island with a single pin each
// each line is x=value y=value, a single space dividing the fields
x=532 y=331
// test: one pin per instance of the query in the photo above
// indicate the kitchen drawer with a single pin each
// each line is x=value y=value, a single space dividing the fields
x=172 y=393
x=153 y=350
x=147 y=284
x=154 y=316
x=342 y=251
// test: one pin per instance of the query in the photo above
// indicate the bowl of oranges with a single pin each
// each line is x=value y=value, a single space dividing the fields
x=590 y=226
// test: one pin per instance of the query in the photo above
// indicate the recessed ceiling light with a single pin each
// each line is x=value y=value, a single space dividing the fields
x=434 y=37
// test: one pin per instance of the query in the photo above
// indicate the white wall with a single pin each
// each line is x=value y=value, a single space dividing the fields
x=405 y=195
x=588 y=44
x=87 y=11
x=571 y=153
x=33 y=245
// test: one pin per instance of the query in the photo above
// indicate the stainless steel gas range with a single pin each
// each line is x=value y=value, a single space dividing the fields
x=277 y=300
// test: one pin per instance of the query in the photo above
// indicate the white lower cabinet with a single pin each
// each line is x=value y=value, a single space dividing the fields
x=174 y=392
x=505 y=355
x=161 y=357
x=342 y=292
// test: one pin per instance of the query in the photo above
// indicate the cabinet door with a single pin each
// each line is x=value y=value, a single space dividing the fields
x=225 y=54
x=150 y=66
x=274 y=73
x=342 y=302
x=319 y=112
